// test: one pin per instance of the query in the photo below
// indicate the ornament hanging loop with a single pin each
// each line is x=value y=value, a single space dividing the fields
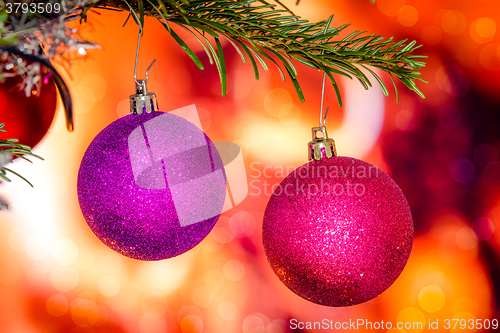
x=137 y=59
x=131 y=14
x=321 y=147
x=142 y=101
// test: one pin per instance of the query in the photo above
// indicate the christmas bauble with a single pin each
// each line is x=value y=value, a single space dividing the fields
x=337 y=231
x=151 y=186
x=27 y=118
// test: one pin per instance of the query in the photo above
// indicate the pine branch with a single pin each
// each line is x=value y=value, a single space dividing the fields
x=264 y=31
x=10 y=148
x=259 y=30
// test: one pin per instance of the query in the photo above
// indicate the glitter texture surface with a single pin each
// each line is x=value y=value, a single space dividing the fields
x=338 y=232
x=151 y=186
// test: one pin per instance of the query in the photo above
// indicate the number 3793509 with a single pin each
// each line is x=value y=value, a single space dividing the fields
x=32 y=8
x=470 y=324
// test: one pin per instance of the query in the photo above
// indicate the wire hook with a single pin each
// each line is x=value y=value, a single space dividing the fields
x=137 y=52
x=137 y=59
x=147 y=70
x=129 y=14
x=322 y=121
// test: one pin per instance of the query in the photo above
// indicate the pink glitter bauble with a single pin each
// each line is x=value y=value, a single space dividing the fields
x=151 y=186
x=338 y=231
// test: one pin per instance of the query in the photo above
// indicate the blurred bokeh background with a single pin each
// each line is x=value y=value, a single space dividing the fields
x=443 y=151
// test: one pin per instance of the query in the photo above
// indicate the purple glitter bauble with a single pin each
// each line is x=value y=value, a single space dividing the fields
x=338 y=232
x=151 y=186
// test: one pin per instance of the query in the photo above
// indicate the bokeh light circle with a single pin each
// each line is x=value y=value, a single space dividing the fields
x=227 y=310
x=154 y=304
x=109 y=285
x=57 y=305
x=64 y=251
x=38 y=247
x=431 y=298
x=234 y=270
x=64 y=278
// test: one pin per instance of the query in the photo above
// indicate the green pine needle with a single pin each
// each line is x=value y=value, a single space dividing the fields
x=15 y=149
x=264 y=30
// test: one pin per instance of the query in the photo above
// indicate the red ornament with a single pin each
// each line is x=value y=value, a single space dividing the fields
x=27 y=118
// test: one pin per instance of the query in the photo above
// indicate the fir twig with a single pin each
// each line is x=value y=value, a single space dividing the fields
x=263 y=30
x=10 y=148
x=257 y=29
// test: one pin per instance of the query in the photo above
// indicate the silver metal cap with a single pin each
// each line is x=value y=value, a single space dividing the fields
x=143 y=101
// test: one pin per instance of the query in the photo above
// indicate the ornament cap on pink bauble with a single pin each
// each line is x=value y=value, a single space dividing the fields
x=337 y=231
